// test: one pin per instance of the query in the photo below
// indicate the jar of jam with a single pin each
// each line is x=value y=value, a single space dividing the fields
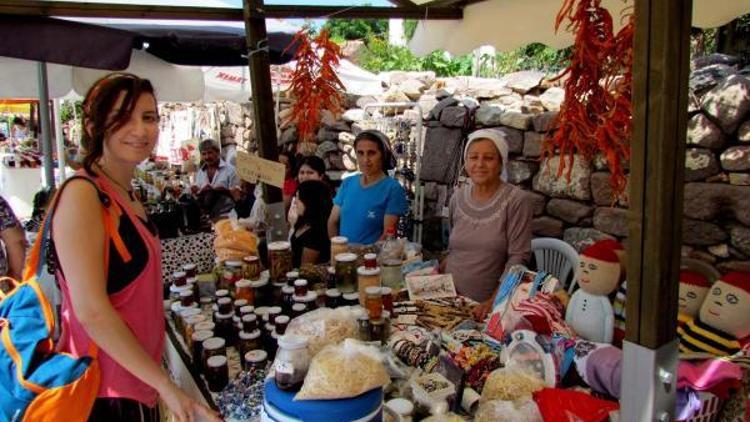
x=287 y=298
x=339 y=245
x=279 y=260
x=249 y=322
x=370 y=260
x=351 y=299
x=291 y=277
x=244 y=290
x=205 y=326
x=282 y=321
x=247 y=309
x=298 y=309
x=278 y=293
x=224 y=305
x=374 y=302
x=251 y=267
x=363 y=327
x=291 y=363
x=262 y=313
x=206 y=303
x=238 y=305
x=331 y=281
x=191 y=270
x=197 y=339
x=215 y=346
x=183 y=315
x=220 y=293
x=217 y=373
x=187 y=298
x=225 y=327
x=193 y=284
x=300 y=287
x=179 y=278
x=367 y=277
x=346 y=272
x=273 y=312
x=255 y=359
x=175 y=292
x=248 y=341
x=175 y=308
x=377 y=330
x=333 y=298
x=260 y=292
x=387 y=296
x=310 y=300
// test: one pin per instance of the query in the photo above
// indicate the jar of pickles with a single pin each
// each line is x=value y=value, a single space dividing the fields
x=339 y=245
x=251 y=267
x=244 y=290
x=232 y=274
x=279 y=260
x=346 y=272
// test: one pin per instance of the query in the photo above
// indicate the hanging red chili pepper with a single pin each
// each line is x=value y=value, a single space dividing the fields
x=315 y=85
x=596 y=113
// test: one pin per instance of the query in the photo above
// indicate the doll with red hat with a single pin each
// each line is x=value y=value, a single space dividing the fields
x=722 y=325
x=693 y=289
x=589 y=311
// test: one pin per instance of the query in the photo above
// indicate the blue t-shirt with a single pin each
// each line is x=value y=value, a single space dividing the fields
x=363 y=209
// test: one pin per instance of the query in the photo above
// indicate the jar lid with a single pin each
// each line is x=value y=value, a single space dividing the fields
x=370 y=256
x=292 y=274
x=242 y=284
x=239 y=303
x=363 y=317
x=379 y=321
x=291 y=342
x=275 y=310
x=178 y=289
x=192 y=280
x=204 y=326
x=300 y=282
x=279 y=246
x=287 y=290
x=224 y=300
x=206 y=300
x=368 y=271
x=299 y=307
x=402 y=407
x=249 y=336
x=233 y=263
x=258 y=283
x=186 y=293
x=188 y=312
x=202 y=335
x=346 y=257
x=250 y=259
x=333 y=293
x=249 y=317
x=309 y=297
x=195 y=319
x=386 y=291
x=331 y=270
x=256 y=356
x=221 y=293
x=217 y=361
x=214 y=343
x=339 y=240
x=351 y=296
x=176 y=307
x=189 y=267
x=179 y=274
x=261 y=310
x=372 y=290
x=269 y=327
x=247 y=309
x=224 y=316
x=282 y=319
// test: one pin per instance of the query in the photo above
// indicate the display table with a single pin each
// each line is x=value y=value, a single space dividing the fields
x=195 y=248
x=178 y=363
x=18 y=187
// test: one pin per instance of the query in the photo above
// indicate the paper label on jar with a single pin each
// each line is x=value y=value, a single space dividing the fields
x=284 y=367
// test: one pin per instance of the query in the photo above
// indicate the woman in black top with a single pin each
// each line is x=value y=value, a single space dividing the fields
x=310 y=243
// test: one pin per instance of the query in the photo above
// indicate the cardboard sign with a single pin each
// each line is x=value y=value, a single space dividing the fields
x=430 y=286
x=255 y=169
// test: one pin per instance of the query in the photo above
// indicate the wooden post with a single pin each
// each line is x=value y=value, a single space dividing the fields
x=260 y=81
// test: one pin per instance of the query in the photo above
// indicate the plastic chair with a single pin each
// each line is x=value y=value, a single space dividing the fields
x=555 y=257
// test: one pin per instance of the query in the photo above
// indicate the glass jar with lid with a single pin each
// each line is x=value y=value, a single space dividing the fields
x=224 y=305
x=292 y=362
x=205 y=326
x=346 y=272
x=287 y=298
x=217 y=373
x=281 y=322
x=279 y=260
x=197 y=340
x=339 y=245
x=291 y=277
x=374 y=302
x=189 y=326
x=238 y=305
x=351 y=299
x=273 y=312
x=387 y=294
x=333 y=298
x=244 y=290
x=368 y=275
x=214 y=346
x=179 y=278
x=249 y=322
x=191 y=270
x=187 y=298
x=260 y=292
x=225 y=327
x=300 y=287
x=251 y=267
x=298 y=309
x=232 y=274
x=255 y=359
x=249 y=341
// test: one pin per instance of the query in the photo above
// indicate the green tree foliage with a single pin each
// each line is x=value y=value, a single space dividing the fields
x=356 y=29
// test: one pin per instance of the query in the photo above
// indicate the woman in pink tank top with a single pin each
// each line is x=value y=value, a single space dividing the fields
x=112 y=296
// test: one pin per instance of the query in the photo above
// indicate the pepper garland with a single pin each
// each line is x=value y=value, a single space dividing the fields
x=597 y=112
x=315 y=85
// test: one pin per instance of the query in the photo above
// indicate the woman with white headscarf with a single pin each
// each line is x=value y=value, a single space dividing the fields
x=490 y=221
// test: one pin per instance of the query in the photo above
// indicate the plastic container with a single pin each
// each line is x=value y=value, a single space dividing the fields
x=279 y=405
x=432 y=388
x=292 y=362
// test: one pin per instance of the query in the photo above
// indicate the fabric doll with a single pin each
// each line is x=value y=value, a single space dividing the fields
x=619 y=302
x=723 y=322
x=589 y=312
x=693 y=289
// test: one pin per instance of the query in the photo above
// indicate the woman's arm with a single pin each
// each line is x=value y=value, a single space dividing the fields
x=15 y=245
x=333 y=221
x=309 y=256
x=78 y=232
x=388 y=222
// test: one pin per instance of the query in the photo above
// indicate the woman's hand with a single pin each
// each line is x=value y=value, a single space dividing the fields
x=184 y=408
x=480 y=311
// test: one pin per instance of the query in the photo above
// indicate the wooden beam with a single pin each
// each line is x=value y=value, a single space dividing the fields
x=107 y=10
x=260 y=83
x=660 y=90
x=402 y=3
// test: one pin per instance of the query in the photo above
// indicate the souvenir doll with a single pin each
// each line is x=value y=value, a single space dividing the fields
x=693 y=290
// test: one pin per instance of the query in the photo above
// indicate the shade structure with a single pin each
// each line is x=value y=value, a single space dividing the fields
x=509 y=24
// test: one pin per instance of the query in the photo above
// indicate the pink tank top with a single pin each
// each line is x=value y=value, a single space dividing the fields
x=140 y=307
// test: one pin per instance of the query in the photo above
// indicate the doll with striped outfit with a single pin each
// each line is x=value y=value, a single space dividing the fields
x=693 y=290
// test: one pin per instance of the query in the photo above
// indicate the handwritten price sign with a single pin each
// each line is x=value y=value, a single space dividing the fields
x=255 y=169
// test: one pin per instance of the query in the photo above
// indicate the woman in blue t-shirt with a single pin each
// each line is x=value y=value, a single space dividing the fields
x=368 y=203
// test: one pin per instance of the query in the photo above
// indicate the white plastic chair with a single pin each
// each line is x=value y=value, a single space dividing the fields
x=555 y=257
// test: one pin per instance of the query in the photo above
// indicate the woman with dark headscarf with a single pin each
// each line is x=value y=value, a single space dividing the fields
x=310 y=244
x=371 y=202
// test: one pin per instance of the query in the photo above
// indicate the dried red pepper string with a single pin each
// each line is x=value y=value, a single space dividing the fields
x=596 y=113
x=315 y=85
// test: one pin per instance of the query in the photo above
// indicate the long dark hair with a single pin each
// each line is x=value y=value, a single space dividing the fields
x=99 y=102
x=314 y=162
x=316 y=197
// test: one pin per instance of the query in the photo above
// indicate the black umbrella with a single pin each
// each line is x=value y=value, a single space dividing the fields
x=109 y=46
